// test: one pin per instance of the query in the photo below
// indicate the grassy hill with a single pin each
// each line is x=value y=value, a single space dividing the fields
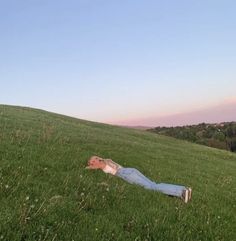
x=46 y=194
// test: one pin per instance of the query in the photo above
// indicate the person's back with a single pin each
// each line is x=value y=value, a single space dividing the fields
x=111 y=166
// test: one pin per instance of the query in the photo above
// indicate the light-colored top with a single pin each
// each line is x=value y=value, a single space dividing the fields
x=111 y=167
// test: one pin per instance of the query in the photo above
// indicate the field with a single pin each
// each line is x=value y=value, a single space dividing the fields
x=47 y=194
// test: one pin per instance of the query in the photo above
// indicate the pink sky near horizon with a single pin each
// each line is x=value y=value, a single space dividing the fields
x=223 y=112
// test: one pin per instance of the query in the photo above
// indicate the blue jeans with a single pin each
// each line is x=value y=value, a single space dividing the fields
x=134 y=176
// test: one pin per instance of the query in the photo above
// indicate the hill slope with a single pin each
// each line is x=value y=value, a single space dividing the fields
x=46 y=194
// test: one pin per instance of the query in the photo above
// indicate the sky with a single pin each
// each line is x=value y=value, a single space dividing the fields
x=148 y=62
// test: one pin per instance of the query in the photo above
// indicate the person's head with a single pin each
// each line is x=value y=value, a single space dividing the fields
x=96 y=162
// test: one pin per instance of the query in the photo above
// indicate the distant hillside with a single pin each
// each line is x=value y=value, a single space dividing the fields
x=46 y=194
x=139 y=127
x=222 y=135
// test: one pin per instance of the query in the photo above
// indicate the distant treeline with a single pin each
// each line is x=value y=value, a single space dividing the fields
x=222 y=135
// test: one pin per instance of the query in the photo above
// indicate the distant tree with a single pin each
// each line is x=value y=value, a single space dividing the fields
x=233 y=146
x=219 y=135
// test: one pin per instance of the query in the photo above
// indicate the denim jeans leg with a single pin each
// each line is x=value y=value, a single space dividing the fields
x=134 y=176
x=170 y=189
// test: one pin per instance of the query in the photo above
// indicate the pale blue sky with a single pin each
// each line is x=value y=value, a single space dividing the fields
x=108 y=60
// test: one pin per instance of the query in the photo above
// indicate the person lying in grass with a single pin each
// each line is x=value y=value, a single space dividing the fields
x=134 y=176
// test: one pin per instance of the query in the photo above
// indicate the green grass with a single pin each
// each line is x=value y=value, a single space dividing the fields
x=46 y=194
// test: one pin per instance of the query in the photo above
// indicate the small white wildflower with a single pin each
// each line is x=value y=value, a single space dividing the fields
x=6 y=186
x=32 y=206
x=218 y=217
x=36 y=200
x=96 y=229
x=45 y=168
x=107 y=189
x=27 y=198
x=80 y=176
x=1 y=237
x=82 y=194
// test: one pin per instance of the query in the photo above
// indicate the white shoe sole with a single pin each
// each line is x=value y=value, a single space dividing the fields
x=188 y=195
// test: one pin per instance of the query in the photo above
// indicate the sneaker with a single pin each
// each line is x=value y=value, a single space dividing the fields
x=187 y=194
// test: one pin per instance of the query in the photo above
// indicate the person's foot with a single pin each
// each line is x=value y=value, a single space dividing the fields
x=187 y=194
